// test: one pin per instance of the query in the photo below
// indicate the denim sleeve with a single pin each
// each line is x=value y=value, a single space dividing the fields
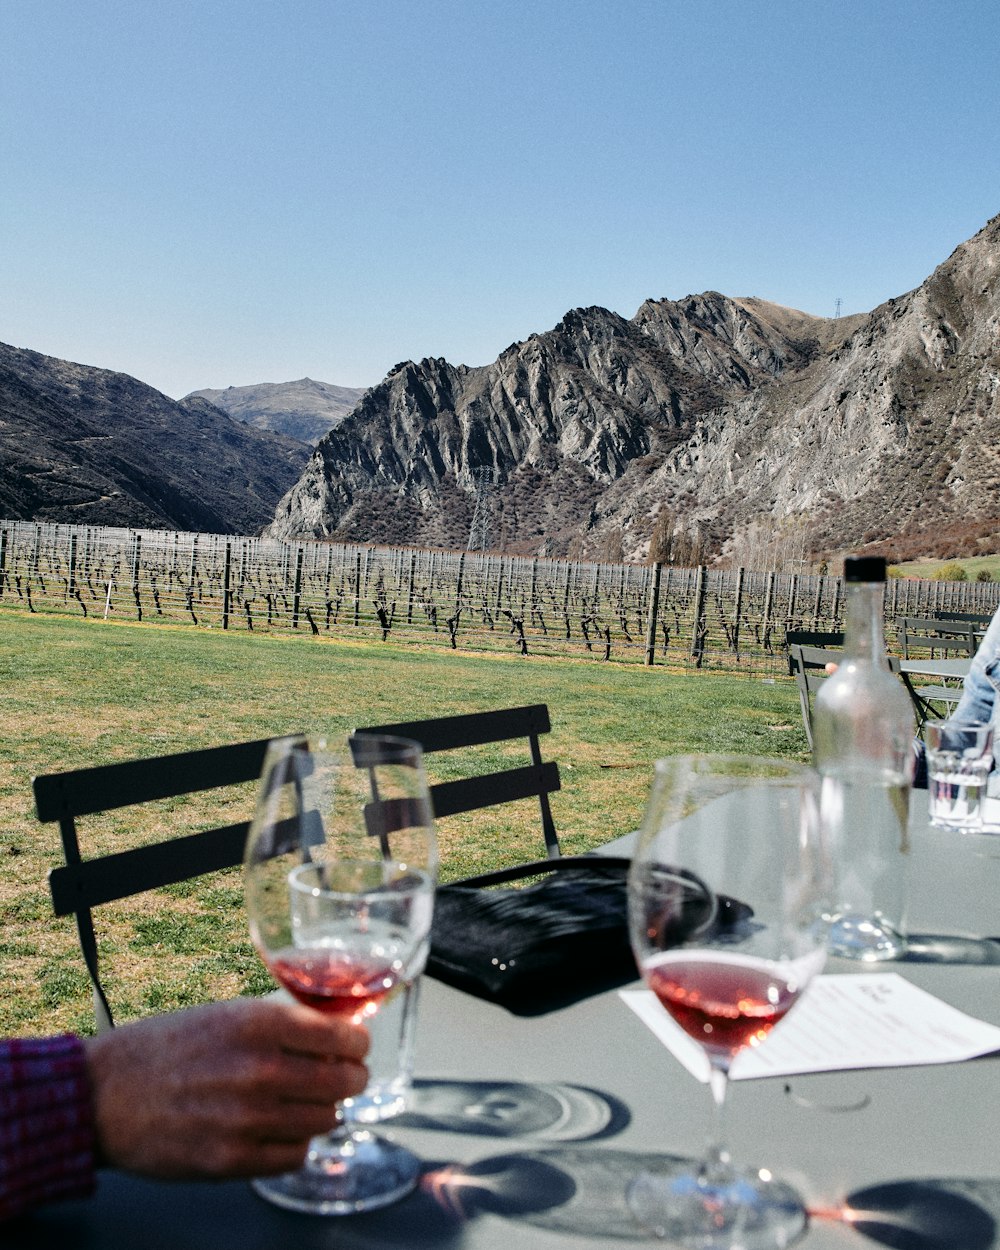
x=979 y=698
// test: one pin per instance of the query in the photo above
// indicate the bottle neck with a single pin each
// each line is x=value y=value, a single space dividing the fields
x=863 y=629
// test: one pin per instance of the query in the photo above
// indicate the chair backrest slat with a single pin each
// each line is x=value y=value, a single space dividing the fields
x=95 y=881
x=470 y=794
x=979 y=619
x=85 y=791
x=470 y=729
x=814 y=638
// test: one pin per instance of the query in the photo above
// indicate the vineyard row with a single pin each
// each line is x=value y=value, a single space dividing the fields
x=689 y=617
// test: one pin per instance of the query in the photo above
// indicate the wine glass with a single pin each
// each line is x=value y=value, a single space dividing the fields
x=726 y=897
x=339 y=877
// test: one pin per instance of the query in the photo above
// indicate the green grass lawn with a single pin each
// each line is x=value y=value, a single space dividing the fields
x=973 y=565
x=83 y=692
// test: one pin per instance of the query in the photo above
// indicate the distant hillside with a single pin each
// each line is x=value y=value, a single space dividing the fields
x=305 y=410
x=88 y=446
x=707 y=417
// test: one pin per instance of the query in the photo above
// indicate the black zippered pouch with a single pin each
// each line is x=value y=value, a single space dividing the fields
x=540 y=946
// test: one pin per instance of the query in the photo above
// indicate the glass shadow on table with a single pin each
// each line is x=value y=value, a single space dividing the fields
x=576 y=1191
x=573 y=1190
x=547 y=1112
x=581 y=1192
x=947 y=1214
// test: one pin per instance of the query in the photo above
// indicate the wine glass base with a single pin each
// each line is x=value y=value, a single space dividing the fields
x=343 y=1175
x=743 y=1211
x=870 y=939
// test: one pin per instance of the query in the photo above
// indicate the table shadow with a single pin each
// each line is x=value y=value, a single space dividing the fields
x=942 y=948
x=132 y=1214
x=578 y=1191
x=548 y=1112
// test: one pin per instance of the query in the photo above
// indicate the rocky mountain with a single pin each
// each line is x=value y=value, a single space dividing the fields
x=305 y=410
x=88 y=446
x=707 y=415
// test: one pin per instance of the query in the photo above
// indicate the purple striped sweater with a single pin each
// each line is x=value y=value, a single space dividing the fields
x=47 y=1143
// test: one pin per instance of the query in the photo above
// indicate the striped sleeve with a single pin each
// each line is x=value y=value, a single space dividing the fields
x=47 y=1142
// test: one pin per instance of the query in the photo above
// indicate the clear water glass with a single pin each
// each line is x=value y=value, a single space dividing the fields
x=959 y=762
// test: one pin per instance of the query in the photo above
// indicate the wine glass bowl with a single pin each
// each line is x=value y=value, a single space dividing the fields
x=339 y=878
x=355 y=936
x=726 y=899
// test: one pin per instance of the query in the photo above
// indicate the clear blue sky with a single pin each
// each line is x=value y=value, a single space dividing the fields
x=221 y=192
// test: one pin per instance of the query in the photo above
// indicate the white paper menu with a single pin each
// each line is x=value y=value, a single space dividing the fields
x=875 y=1020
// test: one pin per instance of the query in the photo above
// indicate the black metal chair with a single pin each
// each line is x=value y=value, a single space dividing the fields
x=808 y=666
x=979 y=619
x=538 y=779
x=936 y=637
x=811 y=638
x=814 y=637
x=83 y=884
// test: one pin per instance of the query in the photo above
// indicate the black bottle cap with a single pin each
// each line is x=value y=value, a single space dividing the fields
x=864 y=568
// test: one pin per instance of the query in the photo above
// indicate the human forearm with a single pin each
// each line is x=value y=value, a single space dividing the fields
x=232 y=1089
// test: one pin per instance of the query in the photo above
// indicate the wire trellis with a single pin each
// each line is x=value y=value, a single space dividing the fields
x=480 y=601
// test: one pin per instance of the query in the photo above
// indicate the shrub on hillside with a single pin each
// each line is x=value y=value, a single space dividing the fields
x=953 y=572
x=984 y=575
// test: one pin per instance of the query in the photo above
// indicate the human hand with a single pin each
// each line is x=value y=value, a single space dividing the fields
x=228 y=1089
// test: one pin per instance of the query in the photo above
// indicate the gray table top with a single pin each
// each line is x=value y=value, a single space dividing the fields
x=603 y=1093
x=945 y=666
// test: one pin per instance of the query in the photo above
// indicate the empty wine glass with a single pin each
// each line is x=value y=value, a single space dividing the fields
x=726 y=896
x=339 y=877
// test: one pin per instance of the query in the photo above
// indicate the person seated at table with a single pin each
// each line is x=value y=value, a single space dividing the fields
x=231 y=1089
x=979 y=696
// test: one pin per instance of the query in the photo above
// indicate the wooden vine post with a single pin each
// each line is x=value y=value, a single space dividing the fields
x=652 y=612
x=699 y=628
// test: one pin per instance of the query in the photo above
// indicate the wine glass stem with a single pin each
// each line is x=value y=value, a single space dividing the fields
x=333 y=1141
x=717 y=1166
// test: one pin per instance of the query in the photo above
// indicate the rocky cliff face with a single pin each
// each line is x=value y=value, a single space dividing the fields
x=88 y=446
x=890 y=433
x=720 y=411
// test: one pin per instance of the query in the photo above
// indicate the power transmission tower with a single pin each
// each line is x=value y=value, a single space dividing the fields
x=481 y=529
x=839 y=302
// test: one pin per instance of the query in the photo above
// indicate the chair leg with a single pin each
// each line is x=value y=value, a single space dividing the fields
x=806 y=717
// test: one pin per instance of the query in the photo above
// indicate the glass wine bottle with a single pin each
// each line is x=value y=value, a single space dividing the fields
x=863 y=729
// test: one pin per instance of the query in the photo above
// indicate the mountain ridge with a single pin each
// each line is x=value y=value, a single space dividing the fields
x=604 y=437
x=304 y=409
x=718 y=411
